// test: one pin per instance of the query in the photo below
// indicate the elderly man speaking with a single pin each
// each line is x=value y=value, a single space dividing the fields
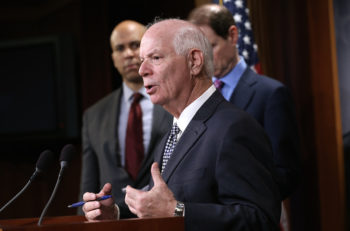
x=214 y=167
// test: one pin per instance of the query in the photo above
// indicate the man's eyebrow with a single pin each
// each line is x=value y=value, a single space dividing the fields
x=152 y=52
x=128 y=43
x=134 y=41
x=146 y=56
x=119 y=45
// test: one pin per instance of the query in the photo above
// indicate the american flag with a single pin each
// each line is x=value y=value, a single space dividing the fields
x=246 y=43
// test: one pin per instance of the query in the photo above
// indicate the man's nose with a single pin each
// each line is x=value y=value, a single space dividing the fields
x=144 y=70
x=129 y=52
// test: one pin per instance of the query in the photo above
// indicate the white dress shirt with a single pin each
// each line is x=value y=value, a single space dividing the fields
x=188 y=113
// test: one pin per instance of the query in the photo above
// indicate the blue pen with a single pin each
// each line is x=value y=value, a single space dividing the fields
x=81 y=203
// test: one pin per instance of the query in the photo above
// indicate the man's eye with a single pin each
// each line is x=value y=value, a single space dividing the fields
x=156 y=59
x=119 y=48
x=134 y=45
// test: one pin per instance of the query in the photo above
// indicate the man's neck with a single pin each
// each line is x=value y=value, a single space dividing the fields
x=229 y=67
x=200 y=86
x=135 y=87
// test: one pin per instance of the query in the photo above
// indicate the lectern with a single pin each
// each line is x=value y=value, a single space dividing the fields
x=78 y=223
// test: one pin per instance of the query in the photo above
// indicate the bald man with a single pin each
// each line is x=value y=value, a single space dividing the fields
x=105 y=124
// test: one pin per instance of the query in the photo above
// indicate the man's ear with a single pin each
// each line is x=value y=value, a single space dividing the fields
x=196 y=61
x=232 y=35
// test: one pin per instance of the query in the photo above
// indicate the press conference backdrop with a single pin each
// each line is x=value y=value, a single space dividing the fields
x=38 y=86
x=38 y=94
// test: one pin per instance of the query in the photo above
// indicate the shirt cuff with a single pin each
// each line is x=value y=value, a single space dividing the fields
x=116 y=208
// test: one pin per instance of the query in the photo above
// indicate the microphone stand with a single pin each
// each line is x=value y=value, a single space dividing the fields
x=63 y=166
x=22 y=190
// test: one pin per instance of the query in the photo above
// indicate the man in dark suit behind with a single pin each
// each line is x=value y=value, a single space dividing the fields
x=266 y=99
x=105 y=123
x=216 y=161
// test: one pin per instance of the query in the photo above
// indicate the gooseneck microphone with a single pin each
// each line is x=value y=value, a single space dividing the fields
x=44 y=162
x=67 y=153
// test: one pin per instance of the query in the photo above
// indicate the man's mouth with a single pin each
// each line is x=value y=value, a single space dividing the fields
x=150 y=89
x=132 y=66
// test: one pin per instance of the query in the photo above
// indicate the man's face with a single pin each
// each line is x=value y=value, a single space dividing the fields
x=125 y=43
x=224 y=51
x=165 y=74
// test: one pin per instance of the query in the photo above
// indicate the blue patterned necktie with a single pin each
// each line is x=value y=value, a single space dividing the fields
x=170 y=144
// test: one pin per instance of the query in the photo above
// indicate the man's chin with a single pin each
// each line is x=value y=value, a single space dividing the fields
x=218 y=74
x=155 y=99
x=133 y=77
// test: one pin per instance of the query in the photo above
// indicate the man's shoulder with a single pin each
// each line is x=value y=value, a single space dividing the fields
x=229 y=110
x=157 y=109
x=264 y=81
x=222 y=108
x=227 y=116
x=105 y=102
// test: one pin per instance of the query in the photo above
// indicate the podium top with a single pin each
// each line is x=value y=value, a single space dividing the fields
x=73 y=223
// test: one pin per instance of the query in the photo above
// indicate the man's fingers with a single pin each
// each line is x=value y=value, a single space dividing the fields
x=132 y=193
x=88 y=196
x=134 y=211
x=88 y=206
x=133 y=198
x=156 y=176
x=106 y=190
x=93 y=215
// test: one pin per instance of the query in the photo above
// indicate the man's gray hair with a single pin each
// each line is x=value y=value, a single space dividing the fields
x=188 y=38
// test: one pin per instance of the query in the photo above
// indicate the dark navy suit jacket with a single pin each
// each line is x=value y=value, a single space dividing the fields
x=221 y=169
x=269 y=102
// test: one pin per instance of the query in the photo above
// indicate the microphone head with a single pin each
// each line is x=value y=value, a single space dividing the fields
x=45 y=160
x=67 y=153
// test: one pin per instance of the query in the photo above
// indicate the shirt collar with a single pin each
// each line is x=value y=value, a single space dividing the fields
x=128 y=93
x=231 y=79
x=189 y=112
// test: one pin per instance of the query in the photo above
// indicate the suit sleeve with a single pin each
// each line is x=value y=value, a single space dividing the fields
x=280 y=125
x=89 y=181
x=247 y=195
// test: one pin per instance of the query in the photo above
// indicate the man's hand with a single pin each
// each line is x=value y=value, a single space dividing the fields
x=158 y=202
x=100 y=210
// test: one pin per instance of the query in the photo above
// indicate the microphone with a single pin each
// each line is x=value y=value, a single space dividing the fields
x=67 y=153
x=43 y=163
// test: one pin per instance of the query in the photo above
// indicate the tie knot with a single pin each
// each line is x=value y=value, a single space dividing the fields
x=137 y=97
x=175 y=130
x=218 y=84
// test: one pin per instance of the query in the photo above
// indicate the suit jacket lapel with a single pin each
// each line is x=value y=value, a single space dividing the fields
x=114 y=118
x=244 y=92
x=159 y=118
x=193 y=132
x=160 y=149
x=187 y=140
